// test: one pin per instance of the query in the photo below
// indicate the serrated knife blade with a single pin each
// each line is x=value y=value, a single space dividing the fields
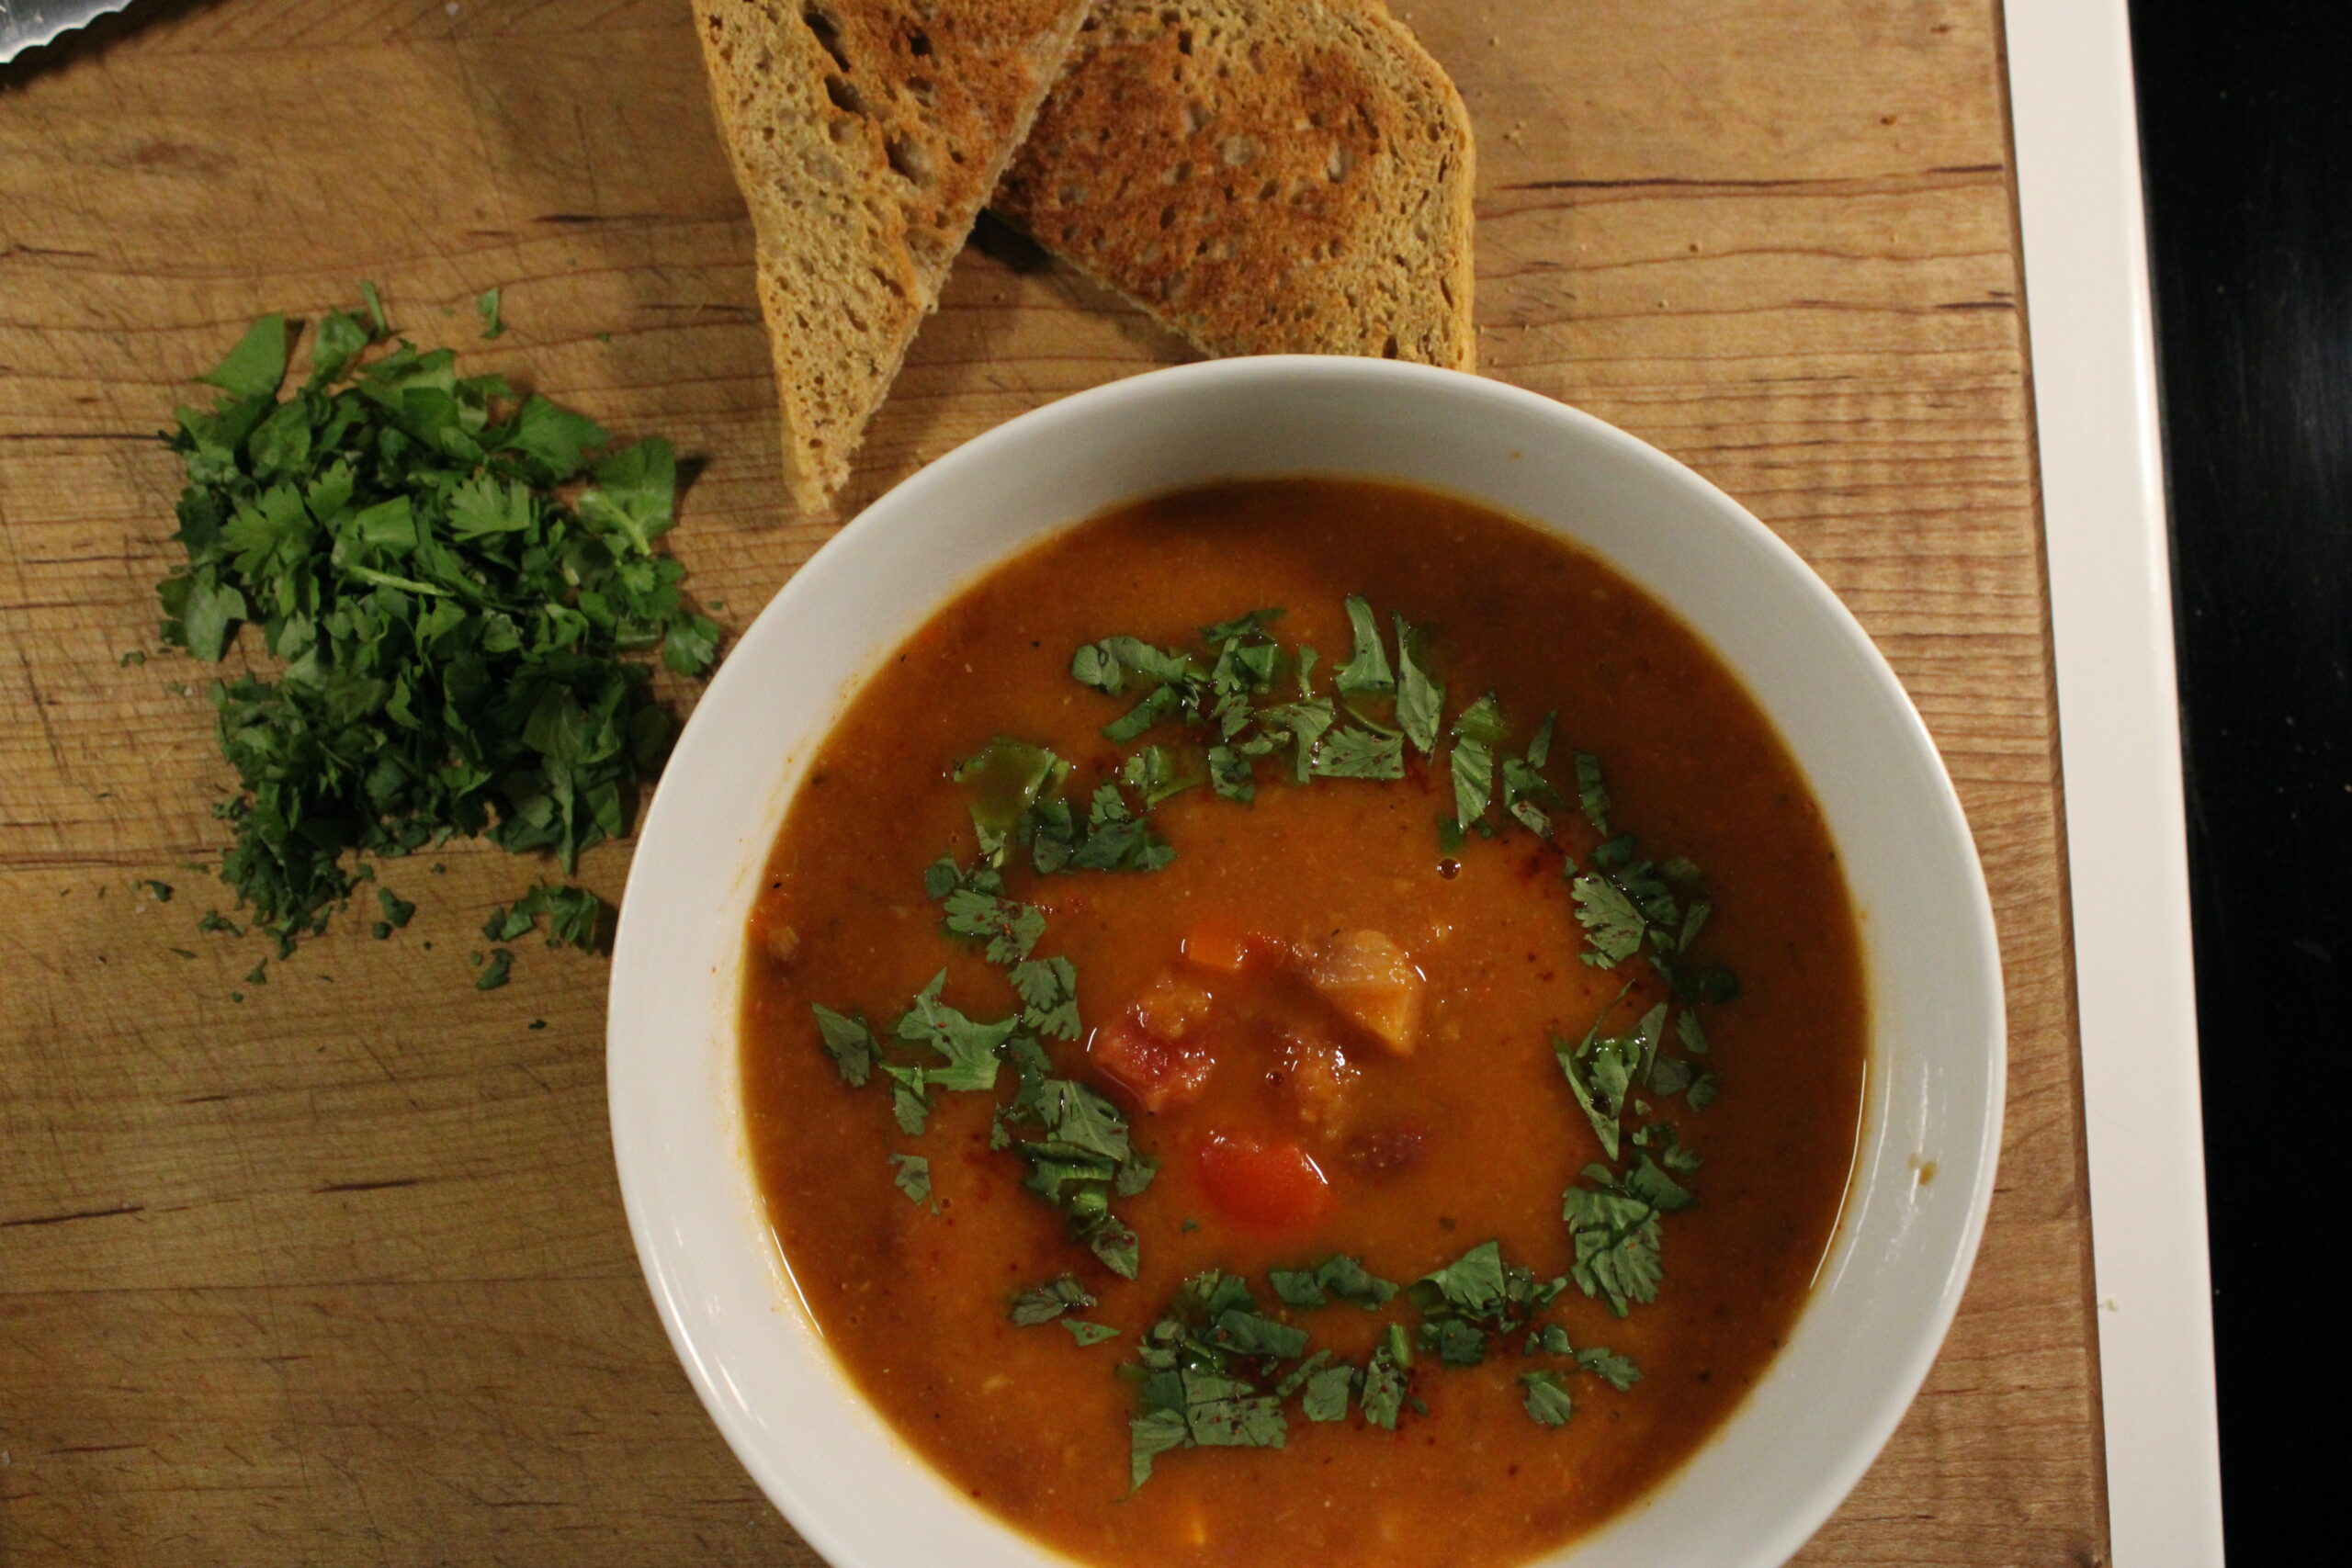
x=24 y=23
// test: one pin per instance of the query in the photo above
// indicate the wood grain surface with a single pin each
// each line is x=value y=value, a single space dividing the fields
x=336 y=1272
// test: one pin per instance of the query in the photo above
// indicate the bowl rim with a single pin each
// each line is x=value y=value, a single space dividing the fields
x=935 y=483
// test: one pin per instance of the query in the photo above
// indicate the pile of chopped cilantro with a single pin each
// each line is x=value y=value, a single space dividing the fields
x=457 y=649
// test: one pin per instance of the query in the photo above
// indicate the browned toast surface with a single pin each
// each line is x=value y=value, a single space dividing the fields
x=1262 y=175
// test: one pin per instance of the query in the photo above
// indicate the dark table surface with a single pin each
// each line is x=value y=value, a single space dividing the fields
x=2246 y=132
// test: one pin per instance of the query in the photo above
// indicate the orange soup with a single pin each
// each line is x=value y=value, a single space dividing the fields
x=1304 y=1018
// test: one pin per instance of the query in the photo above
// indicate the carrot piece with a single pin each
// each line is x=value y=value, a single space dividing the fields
x=1273 y=1184
x=1230 y=948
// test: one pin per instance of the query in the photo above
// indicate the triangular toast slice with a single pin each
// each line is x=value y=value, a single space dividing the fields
x=1264 y=176
x=865 y=135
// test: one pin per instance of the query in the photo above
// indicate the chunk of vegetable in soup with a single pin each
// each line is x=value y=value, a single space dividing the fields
x=1370 y=1082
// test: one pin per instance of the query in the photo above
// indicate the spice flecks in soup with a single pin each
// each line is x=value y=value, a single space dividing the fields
x=1237 y=1084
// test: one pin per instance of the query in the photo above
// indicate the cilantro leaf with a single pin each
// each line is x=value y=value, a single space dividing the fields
x=1249 y=622
x=970 y=1048
x=1153 y=773
x=1367 y=671
x=1339 y=1277
x=486 y=305
x=913 y=1177
x=1613 y=926
x=1547 y=1400
x=1231 y=774
x=1086 y=1333
x=257 y=365
x=910 y=1096
x=1420 y=702
x=1043 y=1303
x=1148 y=1437
x=1455 y=1342
x=1526 y=791
x=1048 y=991
x=1471 y=1285
x=1482 y=721
x=1007 y=778
x=1592 y=794
x=1381 y=1395
x=1616 y=1234
x=1326 y=1393
x=1618 y=1371
x=1116 y=839
x=1351 y=753
x=1688 y=1031
x=849 y=1042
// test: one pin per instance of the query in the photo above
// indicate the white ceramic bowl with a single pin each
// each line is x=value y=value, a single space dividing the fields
x=1791 y=1451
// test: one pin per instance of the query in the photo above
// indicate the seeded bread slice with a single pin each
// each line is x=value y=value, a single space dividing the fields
x=865 y=135
x=1262 y=175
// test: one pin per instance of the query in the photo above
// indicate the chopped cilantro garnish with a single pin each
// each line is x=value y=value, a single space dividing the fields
x=1592 y=793
x=1687 y=1029
x=1618 y=1371
x=1475 y=1296
x=1043 y=1303
x=1612 y=926
x=849 y=1042
x=1454 y=1342
x=1149 y=1435
x=1339 y=1277
x=1194 y=1385
x=1471 y=1284
x=1048 y=990
x=1082 y=1157
x=1615 y=1228
x=969 y=1048
x=1153 y=773
x=1547 y=1401
x=1420 y=702
x=972 y=906
x=494 y=975
x=913 y=1176
x=1327 y=1391
x=1007 y=778
x=397 y=911
x=1243 y=624
x=1086 y=1333
x=909 y=1097
x=1526 y=791
x=1231 y=774
x=1367 y=671
x=1350 y=752
x=1381 y=1393
x=161 y=891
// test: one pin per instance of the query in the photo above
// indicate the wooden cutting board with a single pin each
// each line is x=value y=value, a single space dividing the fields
x=336 y=1271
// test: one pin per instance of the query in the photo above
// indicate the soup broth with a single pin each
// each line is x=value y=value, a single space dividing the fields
x=1353 y=1017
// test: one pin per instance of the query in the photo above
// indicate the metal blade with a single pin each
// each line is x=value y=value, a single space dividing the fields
x=24 y=23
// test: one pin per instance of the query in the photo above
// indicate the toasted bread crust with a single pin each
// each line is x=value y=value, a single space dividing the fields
x=865 y=135
x=1264 y=175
